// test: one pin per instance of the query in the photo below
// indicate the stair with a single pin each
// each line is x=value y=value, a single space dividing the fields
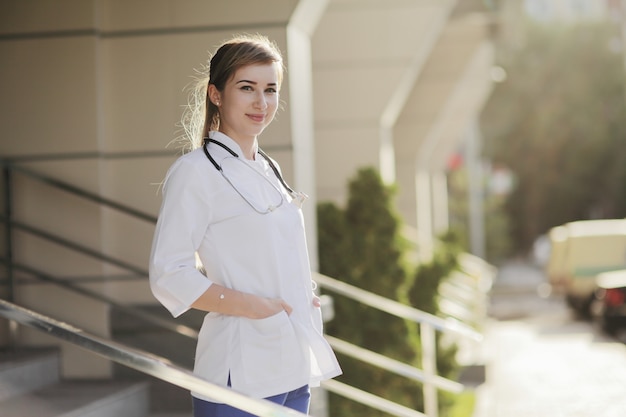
x=166 y=400
x=30 y=385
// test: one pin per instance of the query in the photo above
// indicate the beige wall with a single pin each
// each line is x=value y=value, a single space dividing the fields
x=49 y=106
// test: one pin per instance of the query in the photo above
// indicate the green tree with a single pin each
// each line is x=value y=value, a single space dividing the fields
x=423 y=293
x=362 y=246
x=498 y=245
x=558 y=123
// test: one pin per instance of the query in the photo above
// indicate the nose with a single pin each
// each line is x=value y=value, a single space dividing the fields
x=260 y=101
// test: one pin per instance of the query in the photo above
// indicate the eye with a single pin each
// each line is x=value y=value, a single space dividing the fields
x=271 y=90
x=246 y=88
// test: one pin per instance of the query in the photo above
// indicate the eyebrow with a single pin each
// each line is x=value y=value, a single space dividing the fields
x=254 y=82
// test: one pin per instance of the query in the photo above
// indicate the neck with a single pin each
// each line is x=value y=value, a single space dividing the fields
x=248 y=145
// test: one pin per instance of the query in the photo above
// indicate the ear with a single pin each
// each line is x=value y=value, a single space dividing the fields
x=214 y=95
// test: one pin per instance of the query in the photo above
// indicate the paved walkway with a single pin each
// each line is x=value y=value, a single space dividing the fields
x=543 y=363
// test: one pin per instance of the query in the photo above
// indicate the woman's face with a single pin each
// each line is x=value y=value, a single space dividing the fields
x=248 y=102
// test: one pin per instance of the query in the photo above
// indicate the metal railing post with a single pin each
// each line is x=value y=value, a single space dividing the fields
x=6 y=171
x=8 y=241
x=429 y=365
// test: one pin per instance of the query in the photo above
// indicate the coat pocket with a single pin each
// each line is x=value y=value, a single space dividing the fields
x=270 y=348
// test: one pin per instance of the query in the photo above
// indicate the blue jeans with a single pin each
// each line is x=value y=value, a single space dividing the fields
x=297 y=399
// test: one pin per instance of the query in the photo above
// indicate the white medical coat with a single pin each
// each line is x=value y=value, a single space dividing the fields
x=262 y=254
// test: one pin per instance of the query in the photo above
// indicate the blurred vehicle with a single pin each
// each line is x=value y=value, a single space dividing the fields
x=609 y=304
x=580 y=251
x=555 y=266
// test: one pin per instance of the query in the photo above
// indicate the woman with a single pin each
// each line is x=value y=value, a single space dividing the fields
x=225 y=203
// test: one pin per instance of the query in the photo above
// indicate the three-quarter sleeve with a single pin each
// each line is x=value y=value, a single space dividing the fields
x=183 y=220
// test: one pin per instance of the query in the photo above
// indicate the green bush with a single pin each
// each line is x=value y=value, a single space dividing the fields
x=362 y=246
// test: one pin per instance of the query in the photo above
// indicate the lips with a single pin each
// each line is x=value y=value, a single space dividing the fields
x=256 y=117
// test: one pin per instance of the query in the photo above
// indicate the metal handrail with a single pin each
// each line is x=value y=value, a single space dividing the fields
x=448 y=325
x=80 y=192
x=73 y=246
x=9 y=166
x=339 y=345
x=428 y=325
x=98 y=296
x=371 y=400
x=428 y=322
x=144 y=362
x=392 y=365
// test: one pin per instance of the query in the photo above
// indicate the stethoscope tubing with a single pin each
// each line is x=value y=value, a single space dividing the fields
x=233 y=153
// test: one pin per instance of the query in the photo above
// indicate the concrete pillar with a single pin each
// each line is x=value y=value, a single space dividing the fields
x=476 y=190
x=440 y=202
x=367 y=56
x=300 y=30
x=424 y=213
x=448 y=94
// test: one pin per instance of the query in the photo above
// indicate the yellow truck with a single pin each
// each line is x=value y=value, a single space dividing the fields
x=579 y=252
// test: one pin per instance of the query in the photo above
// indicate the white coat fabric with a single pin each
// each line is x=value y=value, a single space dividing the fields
x=262 y=254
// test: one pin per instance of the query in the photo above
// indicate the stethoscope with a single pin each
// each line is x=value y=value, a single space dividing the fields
x=298 y=197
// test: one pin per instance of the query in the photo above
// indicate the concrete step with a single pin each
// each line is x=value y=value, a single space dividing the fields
x=165 y=398
x=81 y=399
x=30 y=385
x=27 y=369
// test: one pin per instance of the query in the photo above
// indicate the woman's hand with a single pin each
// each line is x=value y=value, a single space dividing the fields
x=317 y=302
x=267 y=307
x=261 y=308
x=236 y=303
